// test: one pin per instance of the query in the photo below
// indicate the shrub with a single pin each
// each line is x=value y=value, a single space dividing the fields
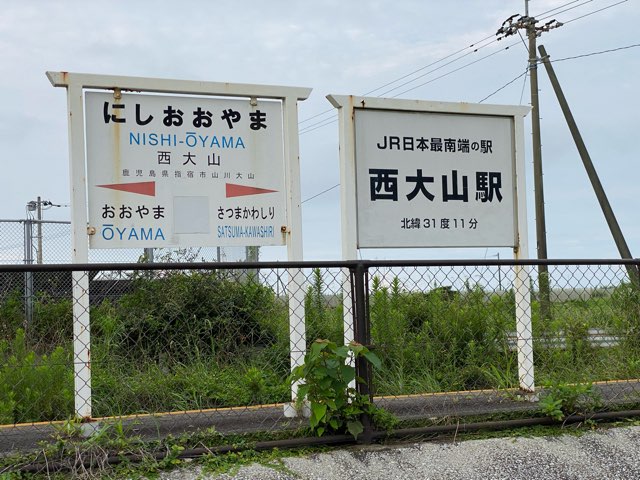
x=11 y=314
x=52 y=322
x=625 y=302
x=200 y=313
x=441 y=339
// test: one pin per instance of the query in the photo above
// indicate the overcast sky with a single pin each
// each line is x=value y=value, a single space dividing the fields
x=341 y=47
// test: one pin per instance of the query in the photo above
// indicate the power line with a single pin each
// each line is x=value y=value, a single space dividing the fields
x=595 y=53
x=524 y=84
x=329 y=121
x=596 y=11
x=412 y=73
x=309 y=128
x=475 y=44
x=315 y=116
x=321 y=193
x=475 y=50
x=471 y=63
x=562 y=11
x=561 y=6
x=434 y=70
x=523 y=42
x=456 y=70
x=333 y=119
x=433 y=63
x=505 y=85
x=323 y=123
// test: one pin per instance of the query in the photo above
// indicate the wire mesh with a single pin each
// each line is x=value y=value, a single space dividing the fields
x=589 y=336
x=193 y=346
x=12 y=246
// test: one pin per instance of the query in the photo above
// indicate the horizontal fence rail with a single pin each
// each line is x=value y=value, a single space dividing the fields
x=180 y=347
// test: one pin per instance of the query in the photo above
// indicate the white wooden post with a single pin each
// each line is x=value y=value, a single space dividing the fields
x=353 y=236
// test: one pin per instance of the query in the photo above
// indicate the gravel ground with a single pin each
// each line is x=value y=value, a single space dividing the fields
x=606 y=454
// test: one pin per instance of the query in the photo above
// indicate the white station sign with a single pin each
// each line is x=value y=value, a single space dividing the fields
x=426 y=179
x=184 y=170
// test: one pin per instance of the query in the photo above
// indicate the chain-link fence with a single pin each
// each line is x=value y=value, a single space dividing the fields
x=460 y=328
x=189 y=346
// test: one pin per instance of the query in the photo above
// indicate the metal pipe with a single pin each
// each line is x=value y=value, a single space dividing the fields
x=95 y=267
x=28 y=275
x=339 y=439
x=361 y=336
x=148 y=255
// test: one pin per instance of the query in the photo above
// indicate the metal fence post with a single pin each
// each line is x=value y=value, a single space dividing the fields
x=362 y=336
x=28 y=276
x=148 y=255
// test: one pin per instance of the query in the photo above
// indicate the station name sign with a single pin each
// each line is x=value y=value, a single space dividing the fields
x=169 y=170
x=419 y=173
x=427 y=179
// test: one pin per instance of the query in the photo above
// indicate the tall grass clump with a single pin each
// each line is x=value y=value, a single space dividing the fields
x=34 y=387
x=323 y=312
x=441 y=340
x=568 y=344
x=201 y=314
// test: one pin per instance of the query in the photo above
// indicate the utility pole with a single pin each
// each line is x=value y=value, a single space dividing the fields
x=28 y=276
x=511 y=27
x=36 y=206
x=39 y=217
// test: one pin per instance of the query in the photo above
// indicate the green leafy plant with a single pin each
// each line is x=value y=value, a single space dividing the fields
x=562 y=400
x=327 y=375
x=68 y=429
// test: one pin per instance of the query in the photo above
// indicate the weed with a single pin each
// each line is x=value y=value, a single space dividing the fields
x=195 y=340
x=322 y=320
x=327 y=375
x=561 y=400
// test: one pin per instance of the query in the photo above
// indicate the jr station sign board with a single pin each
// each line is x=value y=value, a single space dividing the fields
x=167 y=170
x=177 y=163
x=431 y=174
